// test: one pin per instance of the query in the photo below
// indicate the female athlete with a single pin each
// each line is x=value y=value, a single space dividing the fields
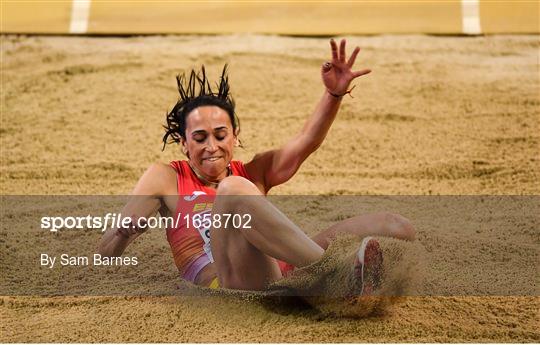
x=211 y=182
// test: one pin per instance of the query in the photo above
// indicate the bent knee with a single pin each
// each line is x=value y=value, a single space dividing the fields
x=236 y=185
x=400 y=227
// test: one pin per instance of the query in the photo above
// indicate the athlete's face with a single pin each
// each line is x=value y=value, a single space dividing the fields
x=210 y=141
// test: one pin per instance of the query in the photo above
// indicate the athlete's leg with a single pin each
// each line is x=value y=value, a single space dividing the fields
x=373 y=224
x=244 y=257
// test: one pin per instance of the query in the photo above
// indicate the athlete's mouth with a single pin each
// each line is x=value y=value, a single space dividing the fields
x=212 y=159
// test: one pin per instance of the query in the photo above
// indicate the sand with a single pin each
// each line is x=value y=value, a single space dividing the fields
x=438 y=116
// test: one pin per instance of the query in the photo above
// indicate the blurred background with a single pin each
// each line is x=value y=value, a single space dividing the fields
x=313 y=18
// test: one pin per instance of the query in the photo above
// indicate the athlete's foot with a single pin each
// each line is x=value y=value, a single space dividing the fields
x=368 y=267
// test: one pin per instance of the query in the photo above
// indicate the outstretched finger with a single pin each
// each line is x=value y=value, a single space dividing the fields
x=333 y=45
x=342 y=51
x=355 y=52
x=361 y=73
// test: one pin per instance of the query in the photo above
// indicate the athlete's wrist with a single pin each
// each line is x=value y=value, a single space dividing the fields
x=124 y=233
x=339 y=95
x=334 y=95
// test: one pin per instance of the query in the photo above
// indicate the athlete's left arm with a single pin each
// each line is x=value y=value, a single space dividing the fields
x=275 y=167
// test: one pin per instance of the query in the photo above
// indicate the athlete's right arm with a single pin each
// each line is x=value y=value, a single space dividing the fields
x=145 y=200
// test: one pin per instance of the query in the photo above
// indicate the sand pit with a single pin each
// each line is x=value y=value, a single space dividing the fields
x=438 y=115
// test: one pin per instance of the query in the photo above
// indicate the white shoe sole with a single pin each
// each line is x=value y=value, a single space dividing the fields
x=369 y=261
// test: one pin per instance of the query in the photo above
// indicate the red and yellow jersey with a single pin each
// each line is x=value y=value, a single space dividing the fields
x=188 y=242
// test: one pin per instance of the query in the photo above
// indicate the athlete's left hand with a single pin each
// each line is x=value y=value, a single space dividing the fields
x=338 y=74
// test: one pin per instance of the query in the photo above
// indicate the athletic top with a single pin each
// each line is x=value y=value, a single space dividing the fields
x=187 y=242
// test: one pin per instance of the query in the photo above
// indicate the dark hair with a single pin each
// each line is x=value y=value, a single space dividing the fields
x=189 y=100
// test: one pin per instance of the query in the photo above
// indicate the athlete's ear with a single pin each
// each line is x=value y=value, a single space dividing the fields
x=184 y=147
x=236 y=140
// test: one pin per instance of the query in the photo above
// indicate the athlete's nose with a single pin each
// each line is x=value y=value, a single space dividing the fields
x=212 y=145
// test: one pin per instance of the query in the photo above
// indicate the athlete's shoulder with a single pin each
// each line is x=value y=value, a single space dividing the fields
x=158 y=179
x=177 y=165
x=163 y=168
